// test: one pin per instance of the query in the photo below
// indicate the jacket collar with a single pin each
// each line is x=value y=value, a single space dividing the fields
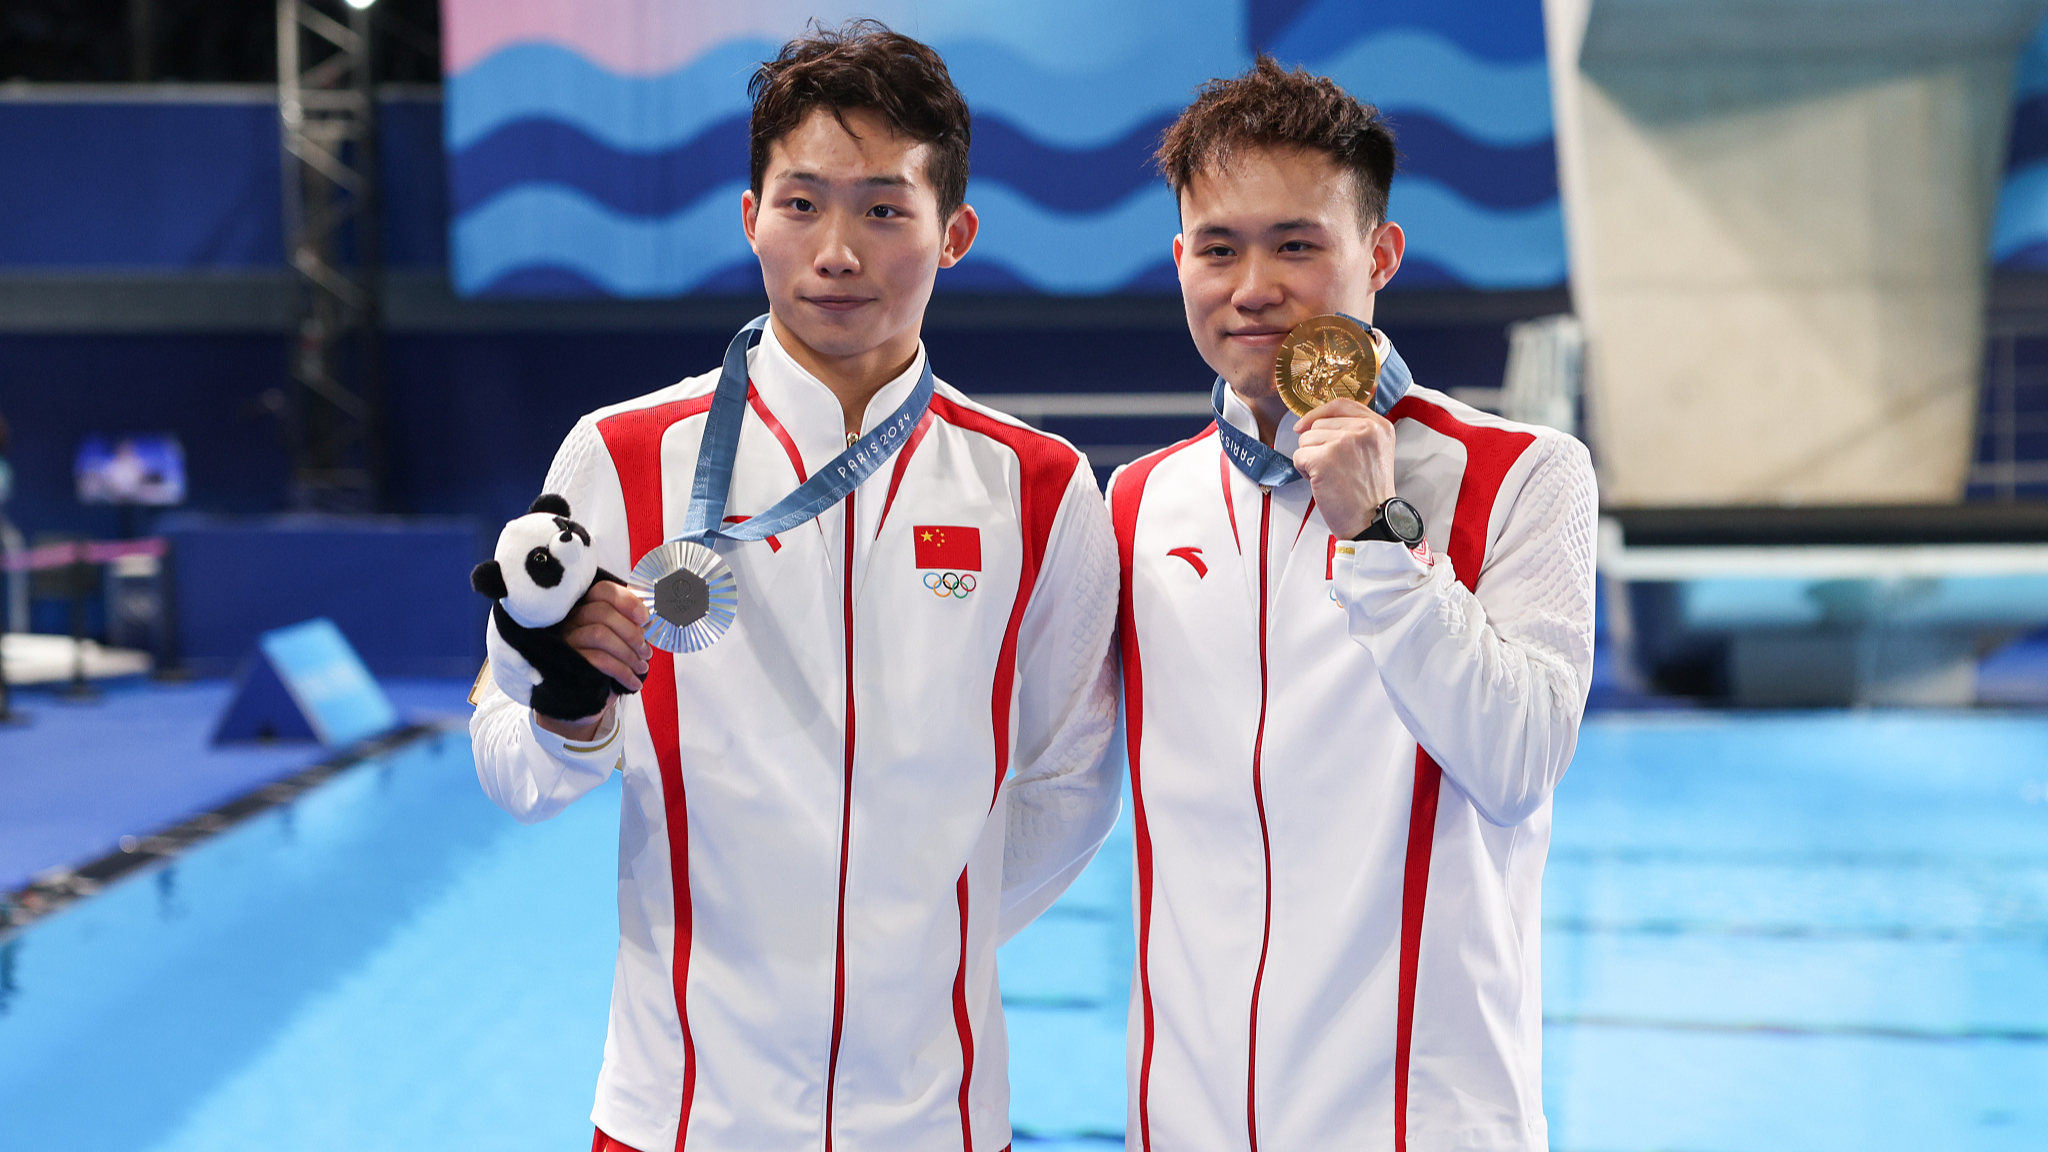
x=807 y=409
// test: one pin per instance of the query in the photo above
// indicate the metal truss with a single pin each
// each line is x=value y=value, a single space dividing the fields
x=328 y=114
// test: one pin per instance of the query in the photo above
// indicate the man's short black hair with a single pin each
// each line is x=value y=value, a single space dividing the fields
x=862 y=64
x=1272 y=107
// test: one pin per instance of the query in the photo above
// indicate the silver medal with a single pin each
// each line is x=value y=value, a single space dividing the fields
x=691 y=596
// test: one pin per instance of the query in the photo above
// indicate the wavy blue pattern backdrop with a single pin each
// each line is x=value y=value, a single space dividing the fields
x=168 y=180
x=598 y=147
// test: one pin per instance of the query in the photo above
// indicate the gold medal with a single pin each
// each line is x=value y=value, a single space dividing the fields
x=1326 y=358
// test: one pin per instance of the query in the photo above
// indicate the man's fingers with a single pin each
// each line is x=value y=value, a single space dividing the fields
x=634 y=612
x=607 y=638
x=599 y=614
x=608 y=664
x=619 y=596
x=591 y=641
x=1331 y=431
x=1370 y=431
x=1334 y=408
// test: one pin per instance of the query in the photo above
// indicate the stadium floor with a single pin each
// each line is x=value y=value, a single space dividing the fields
x=1762 y=932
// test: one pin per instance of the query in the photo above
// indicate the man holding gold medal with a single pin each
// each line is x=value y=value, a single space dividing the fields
x=1357 y=635
x=874 y=746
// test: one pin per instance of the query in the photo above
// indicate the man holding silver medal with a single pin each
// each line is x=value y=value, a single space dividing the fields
x=877 y=742
x=1357 y=635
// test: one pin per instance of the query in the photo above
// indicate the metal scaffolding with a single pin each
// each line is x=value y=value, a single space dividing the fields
x=328 y=115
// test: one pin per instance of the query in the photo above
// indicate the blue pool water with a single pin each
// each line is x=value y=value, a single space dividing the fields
x=1809 y=932
x=1800 y=932
x=78 y=775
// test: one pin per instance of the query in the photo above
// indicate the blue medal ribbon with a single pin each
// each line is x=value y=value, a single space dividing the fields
x=703 y=522
x=1267 y=467
x=1261 y=463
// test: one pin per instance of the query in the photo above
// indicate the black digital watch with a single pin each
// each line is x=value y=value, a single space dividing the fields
x=1397 y=521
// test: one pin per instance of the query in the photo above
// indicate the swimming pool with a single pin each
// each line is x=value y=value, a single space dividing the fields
x=1811 y=931
x=1819 y=931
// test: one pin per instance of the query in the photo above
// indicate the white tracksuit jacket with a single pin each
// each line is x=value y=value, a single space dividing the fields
x=833 y=815
x=1341 y=763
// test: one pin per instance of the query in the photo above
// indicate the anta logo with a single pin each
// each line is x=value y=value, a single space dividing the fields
x=954 y=548
x=1194 y=558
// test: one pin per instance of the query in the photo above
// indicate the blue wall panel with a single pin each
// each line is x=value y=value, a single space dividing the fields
x=139 y=184
x=397 y=589
x=474 y=418
x=164 y=184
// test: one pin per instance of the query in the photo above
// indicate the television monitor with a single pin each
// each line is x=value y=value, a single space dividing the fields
x=144 y=468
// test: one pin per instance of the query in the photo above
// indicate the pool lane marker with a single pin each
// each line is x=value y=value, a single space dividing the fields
x=56 y=889
x=1857 y=1031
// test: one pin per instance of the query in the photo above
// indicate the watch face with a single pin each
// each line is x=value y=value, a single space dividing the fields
x=1403 y=520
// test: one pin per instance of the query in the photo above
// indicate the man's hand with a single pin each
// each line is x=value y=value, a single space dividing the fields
x=1347 y=455
x=606 y=628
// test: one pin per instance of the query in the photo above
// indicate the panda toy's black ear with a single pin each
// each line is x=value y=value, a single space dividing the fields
x=549 y=503
x=487 y=579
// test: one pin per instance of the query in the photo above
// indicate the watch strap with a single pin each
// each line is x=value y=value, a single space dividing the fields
x=1378 y=530
x=1382 y=529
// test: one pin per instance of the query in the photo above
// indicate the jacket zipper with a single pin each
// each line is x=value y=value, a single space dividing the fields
x=1265 y=840
x=845 y=838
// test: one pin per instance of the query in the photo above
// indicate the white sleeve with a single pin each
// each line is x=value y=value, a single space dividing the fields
x=1491 y=685
x=526 y=770
x=1065 y=784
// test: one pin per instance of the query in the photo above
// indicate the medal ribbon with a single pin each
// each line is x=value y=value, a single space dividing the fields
x=1267 y=467
x=703 y=522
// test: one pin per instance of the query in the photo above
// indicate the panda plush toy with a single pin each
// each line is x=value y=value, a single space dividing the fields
x=541 y=569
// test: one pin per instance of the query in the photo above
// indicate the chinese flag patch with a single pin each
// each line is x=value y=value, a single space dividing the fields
x=948 y=546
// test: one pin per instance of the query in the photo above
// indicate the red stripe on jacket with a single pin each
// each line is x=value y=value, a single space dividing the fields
x=1126 y=494
x=634 y=441
x=962 y=1023
x=775 y=427
x=924 y=425
x=1489 y=454
x=1045 y=467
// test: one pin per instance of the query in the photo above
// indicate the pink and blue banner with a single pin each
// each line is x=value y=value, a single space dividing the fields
x=598 y=147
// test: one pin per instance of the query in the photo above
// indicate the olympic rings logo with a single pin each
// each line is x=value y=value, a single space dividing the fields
x=954 y=584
